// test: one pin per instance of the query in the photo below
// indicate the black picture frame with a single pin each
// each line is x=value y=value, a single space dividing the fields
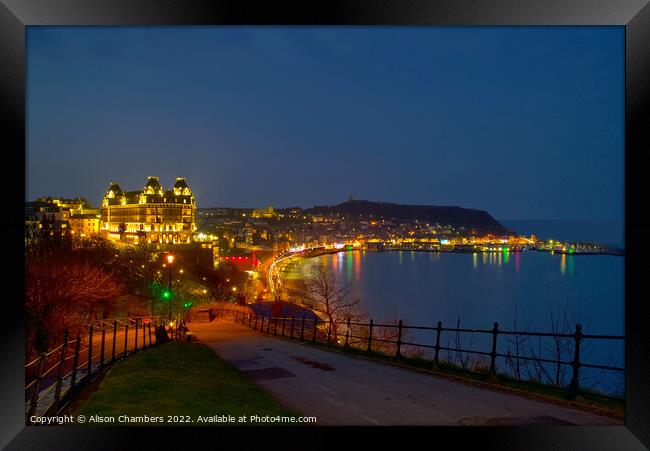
x=634 y=15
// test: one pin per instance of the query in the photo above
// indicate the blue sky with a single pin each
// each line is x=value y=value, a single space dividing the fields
x=523 y=122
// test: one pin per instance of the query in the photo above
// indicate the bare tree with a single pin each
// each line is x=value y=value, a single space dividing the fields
x=559 y=348
x=221 y=281
x=64 y=294
x=321 y=293
x=463 y=360
x=384 y=337
x=251 y=289
x=518 y=341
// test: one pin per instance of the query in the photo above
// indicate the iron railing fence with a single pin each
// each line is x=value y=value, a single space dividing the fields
x=393 y=340
x=54 y=377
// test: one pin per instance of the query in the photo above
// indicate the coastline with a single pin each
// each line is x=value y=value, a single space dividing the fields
x=309 y=254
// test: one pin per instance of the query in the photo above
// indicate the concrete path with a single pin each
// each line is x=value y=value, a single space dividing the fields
x=343 y=390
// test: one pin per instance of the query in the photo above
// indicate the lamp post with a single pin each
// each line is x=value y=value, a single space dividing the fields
x=170 y=260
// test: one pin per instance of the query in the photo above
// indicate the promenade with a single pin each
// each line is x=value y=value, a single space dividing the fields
x=343 y=390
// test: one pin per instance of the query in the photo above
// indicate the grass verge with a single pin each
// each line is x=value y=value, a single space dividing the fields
x=177 y=379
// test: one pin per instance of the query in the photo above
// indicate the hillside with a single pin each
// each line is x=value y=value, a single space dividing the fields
x=444 y=215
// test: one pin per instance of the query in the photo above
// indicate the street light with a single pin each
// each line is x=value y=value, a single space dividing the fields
x=170 y=260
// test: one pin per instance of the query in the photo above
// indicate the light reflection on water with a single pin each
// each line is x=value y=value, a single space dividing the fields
x=517 y=261
x=350 y=262
x=431 y=287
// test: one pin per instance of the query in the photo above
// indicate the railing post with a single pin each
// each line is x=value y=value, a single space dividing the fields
x=329 y=331
x=101 y=352
x=398 y=354
x=370 y=336
x=114 y=337
x=268 y=325
x=283 y=321
x=302 y=329
x=59 y=377
x=144 y=336
x=149 y=327
x=126 y=339
x=37 y=386
x=438 y=331
x=293 y=320
x=574 y=387
x=313 y=337
x=75 y=362
x=347 y=335
x=275 y=326
x=493 y=353
x=135 y=345
x=90 y=350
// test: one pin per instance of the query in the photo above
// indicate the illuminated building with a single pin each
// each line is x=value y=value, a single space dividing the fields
x=85 y=224
x=152 y=213
x=267 y=212
x=65 y=204
x=46 y=221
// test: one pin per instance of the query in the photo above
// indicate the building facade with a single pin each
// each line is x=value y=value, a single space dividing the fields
x=47 y=222
x=85 y=224
x=152 y=213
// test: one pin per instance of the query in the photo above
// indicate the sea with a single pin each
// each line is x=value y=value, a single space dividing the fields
x=522 y=291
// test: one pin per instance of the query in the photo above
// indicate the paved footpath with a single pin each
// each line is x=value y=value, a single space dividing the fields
x=344 y=390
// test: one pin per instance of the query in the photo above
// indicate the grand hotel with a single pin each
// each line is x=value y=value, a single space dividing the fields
x=152 y=213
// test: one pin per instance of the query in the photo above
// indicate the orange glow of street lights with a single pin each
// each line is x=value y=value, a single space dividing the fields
x=170 y=258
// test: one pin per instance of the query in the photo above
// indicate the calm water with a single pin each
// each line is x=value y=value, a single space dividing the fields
x=422 y=288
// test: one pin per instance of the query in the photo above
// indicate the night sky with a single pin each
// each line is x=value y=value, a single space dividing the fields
x=522 y=122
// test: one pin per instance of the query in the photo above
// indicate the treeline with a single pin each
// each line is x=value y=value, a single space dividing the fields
x=67 y=286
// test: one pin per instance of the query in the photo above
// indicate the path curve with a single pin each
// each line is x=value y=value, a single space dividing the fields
x=342 y=390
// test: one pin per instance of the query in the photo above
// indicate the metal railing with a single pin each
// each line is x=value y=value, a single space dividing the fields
x=392 y=344
x=54 y=377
